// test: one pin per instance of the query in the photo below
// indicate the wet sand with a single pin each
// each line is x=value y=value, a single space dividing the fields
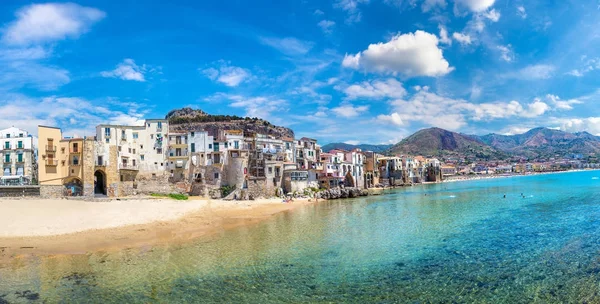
x=73 y=226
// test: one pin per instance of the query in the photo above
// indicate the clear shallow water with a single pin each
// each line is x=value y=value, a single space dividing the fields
x=451 y=242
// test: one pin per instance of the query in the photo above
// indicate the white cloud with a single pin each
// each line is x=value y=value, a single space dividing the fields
x=18 y=74
x=588 y=124
x=475 y=5
x=560 y=104
x=326 y=26
x=588 y=66
x=535 y=108
x=409 y=54
x=258 y=106
x=127 y=70
x=353 y=14
x=475 y=92
x=40 y=23
x=576 y=73
x=431 y=4
x=348 y=111
x=521 y=12
x=229 y=75
x=444 y=35
x=533 y=72
x=463 y=39
x=505 y=53
x=318 y=12
x=393 y=118
x=288 y=45
x=27 y=113
x=378 y=89
x=492 y=15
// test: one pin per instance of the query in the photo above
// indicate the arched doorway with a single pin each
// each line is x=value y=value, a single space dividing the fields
x=99 y=182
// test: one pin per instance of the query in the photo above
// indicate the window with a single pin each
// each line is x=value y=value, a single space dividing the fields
x=133 y=151
x=287 y=146
x=142 y=157
x=19 y=158
x=107 y=140
x=123 y=135
x=159 y=151
x=7 y=145
x=141 y=147
x=159 y=125
x=216 y=174
x=20 y=134
x=107 y=132
x=192 y=134
x=193 y=147
x=216 y=147
x=119 y=148
x=135 y=135
x=7 y=135
x=210 y=146
x=133 y=162
x=129 y=150
x=7 y=157
x=225 y=145
x=151 y=136
x=75 y=161
x=270 y=170
x=236 y=144
x=100 y=161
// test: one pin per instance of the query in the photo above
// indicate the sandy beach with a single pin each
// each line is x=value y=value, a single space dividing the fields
x=76 y=226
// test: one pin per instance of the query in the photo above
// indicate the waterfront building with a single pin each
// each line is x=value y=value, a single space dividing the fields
x=18 y=159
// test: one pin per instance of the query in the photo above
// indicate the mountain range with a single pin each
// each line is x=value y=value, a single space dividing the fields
x=535 y=144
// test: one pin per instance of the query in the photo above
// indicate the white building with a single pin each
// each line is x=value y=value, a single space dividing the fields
x=18 y=153
x=139 y=148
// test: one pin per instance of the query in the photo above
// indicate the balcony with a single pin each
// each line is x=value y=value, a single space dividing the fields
x=9 y=147
x=52 y=162
x=20 y=161
x=75 y=150
x=74 y=164
x=127 y=166
x=178 y=145
x=50 y=148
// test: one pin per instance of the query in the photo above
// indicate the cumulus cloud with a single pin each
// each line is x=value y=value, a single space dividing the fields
x=412 y=54
x=253 y=106
x=588 y=65
x=506 y=53
x=475 y=5
x=393 y=118
x=378 y=89
x=463 y=39
x=226 y=74
x=288 y=45
x=588 y=124
x=521 y=12
x=127 y=70
x=326 y=26
x=444 y=35
x=40 y=23
x=431 y=4
x=492 y=15
x=353 y=14
x=535 y=109
x=348 y=110
x=562 y=104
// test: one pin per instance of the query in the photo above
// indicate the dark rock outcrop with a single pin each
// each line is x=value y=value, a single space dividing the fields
x=336 y=193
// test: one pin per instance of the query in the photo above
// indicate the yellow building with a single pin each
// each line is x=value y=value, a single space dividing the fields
x=65 y=165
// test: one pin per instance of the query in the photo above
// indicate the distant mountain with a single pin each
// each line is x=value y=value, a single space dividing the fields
x=544 y=142
x=348 y=147
x=442 y=143
x=535 y=143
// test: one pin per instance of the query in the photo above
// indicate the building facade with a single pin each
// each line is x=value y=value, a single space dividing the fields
x=18 y=157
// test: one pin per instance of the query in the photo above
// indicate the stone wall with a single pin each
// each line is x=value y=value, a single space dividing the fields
x=160 y=184
x=52 y=191
x=257 y=189
x=13 y=191
x=88 y=163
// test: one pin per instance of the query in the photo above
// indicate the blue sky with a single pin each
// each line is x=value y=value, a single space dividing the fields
x=369 y=71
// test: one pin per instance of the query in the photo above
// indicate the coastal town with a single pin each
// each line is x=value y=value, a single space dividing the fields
x=233 y=164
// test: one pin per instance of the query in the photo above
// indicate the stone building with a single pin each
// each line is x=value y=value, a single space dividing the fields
x=18 y=158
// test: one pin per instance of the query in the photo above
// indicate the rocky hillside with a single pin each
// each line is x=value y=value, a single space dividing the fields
x=348 y=147
x=442 y=143
x=187 y=119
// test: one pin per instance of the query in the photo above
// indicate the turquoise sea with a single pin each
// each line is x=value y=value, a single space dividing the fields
x=442 y=243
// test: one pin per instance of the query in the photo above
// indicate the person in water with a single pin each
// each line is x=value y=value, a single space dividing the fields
x=504 y=196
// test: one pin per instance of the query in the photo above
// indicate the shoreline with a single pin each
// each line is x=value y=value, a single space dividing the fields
x=202 y=218
x=493 y=176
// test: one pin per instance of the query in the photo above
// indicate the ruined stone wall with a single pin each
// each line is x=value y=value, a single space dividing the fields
x=51 y=191
x=126 y=189
x=257 y=188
